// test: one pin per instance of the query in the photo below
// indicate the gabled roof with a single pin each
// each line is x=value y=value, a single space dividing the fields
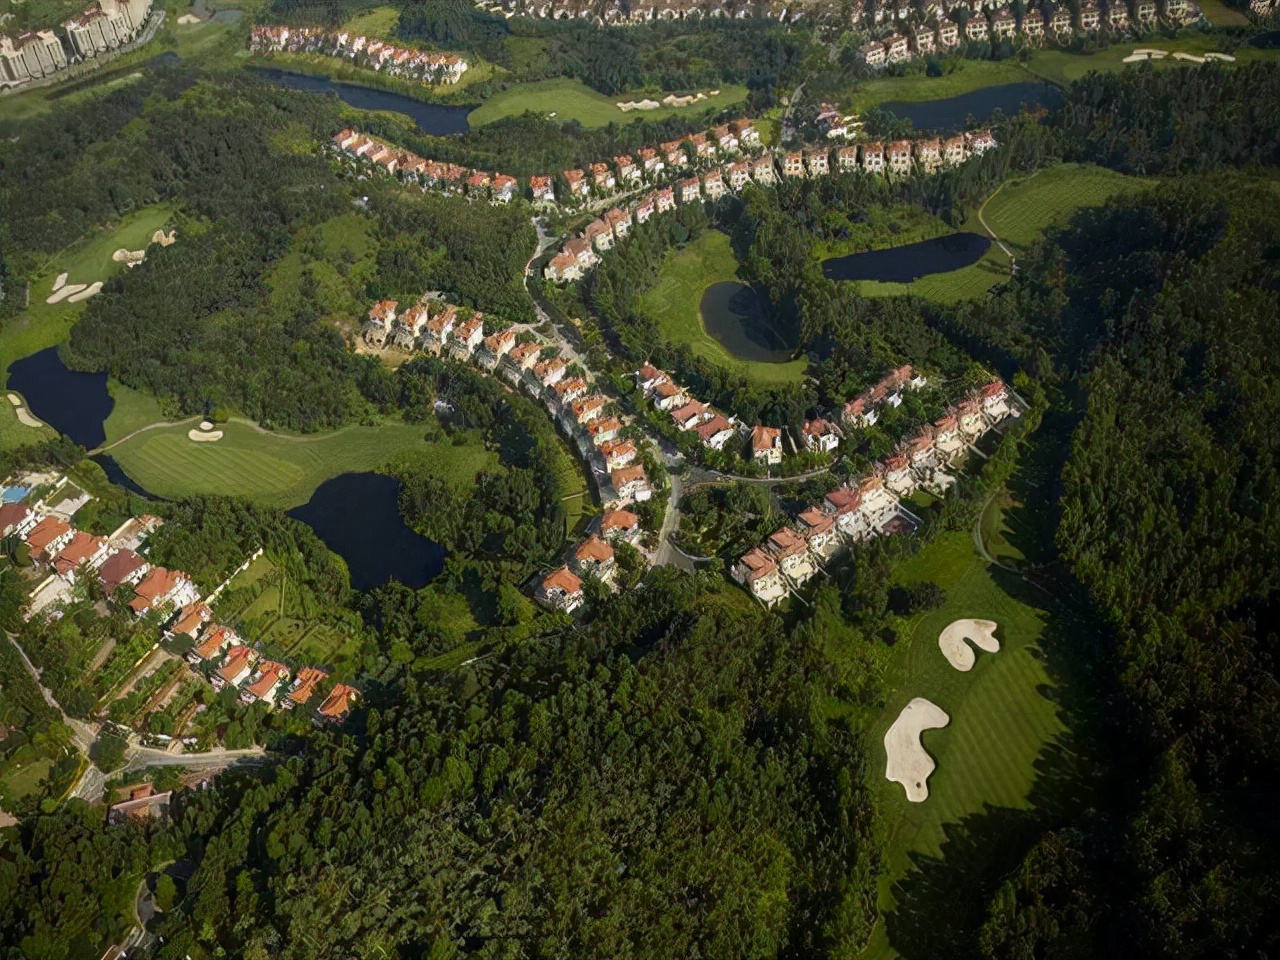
x=625 y=475
x=46 y=532
x=562 y=579
x=13 y=515
x=593 y=549
x=119 y=567
x=271 y=674
x=758 y=563
x=786 y=543
x=304 y=687
x=338 y=704
x=717 y=424
x=238 y=660
x=765 y=438
x=618 y=520
x=215 y=638
x=81 y=549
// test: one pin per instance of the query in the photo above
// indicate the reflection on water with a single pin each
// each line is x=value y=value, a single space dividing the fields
x=976 y=107
x=73 y=403
x=911 y=262
x=431 y=118
x=738 y=318
x=357 y=515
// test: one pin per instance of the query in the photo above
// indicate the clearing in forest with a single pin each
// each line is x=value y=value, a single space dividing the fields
x=280 y=470
x=574 y=100
x=673 y=302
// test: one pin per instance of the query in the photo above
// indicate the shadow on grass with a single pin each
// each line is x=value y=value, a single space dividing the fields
x=942 y=901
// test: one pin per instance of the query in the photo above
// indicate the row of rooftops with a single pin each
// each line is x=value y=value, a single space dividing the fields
x=986 y=20
x=868 y=506
x=53 y=542
x=376 y=54
x=714 y=429
x=239 y=666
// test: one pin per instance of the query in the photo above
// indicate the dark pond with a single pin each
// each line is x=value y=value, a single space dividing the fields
x=357 y=515
x=75 y=404
x=951 y=114
x=115 y=473
x=431 y=118
x=738 y=318
x=910 y=262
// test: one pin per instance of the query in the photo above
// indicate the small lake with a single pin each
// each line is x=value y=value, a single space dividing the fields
x=952 y=114
x=910 y=262
x=432 y=118
x=75 y=404
x=738 y=318
x=357 y=515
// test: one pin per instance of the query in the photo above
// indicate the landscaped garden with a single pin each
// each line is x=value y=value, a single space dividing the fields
x=674 y=303
x=280 y=470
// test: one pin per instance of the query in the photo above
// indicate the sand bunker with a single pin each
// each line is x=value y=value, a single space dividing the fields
x=981 y=633
x=24 y=416
x=57 y=284
x=85 y=294
x=64 y=292
x=1224 y=57
x=187 y=18
x=639 y=105
x=1188 y=57
x=164 y=239
x=908 y=762
x=204 y=433
x=671 y=100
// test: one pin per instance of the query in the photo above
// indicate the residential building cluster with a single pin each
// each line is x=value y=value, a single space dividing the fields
x=585 y=416
x=995 y=20
x=870 y=506
x=106 y=25
x=714 y=429
x=429 y=174
x=68 y=556
x=229 y=662
x=562 y=588
x=898 y=158
x=402 y=62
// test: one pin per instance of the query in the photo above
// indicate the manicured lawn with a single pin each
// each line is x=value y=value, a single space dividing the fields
x=968 y=76
x=44 y=325
x=1220 y=15
x=673 y=302
x=1061 y=67
x=574 y=100
x=279 y=470
x=26 y=780
x=132 y=410
x=379 y=22
x=1002 y=718
x=1019 y=213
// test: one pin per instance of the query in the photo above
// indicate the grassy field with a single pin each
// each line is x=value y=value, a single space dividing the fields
x=574 y=100
x=673 y=302
x=968 y=75
x=1004 y=719
x=882 y=225
x=379 y=22
x=1220 y=15
x=132 y=410
x=1061 y=67
x=275 y=469
x=44 y=325
x=1019 y=213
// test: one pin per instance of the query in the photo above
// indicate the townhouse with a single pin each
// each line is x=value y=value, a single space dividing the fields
x=793 y=164
x=576 y=184
x=815 y=161
x=948 y=34
x=739 y=175
x=762 y=170
x=925 y=39
x=603 y=178
x=47 y=537
x=819 y=436
x=264 y=686
x=1090 y=17
x=929 y=154
x=872 y=157
x=594 y=558
x=715 y=432
x=1033 y=24
x=160 y=589
x=620 y=525
x=690 y=190
x=630 y=484
x=713 y=185
x=303 y=687
x=337 y=705
x=899 y=158
x=542 y=189
x=976 y=28
x=873 y=53
x=896 y=48
x=235 y=669
x=1003 y=25
x=819 y=532
x=790 y=551
x=628 y=172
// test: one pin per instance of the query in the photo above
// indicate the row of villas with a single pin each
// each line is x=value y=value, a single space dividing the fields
x=1118 y=13
x=106 y=25
x=713 y=428
x=229 y=662
x=649 y=165
x=898 y=158
x=402 y=62
x=999 y=22
x=562 y=589
x=69 y=555
x=870 y=507
x=411 y=168
x=529 y=363
x=587 y=417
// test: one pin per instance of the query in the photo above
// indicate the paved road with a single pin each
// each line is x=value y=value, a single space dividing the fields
x=142 y=757
x=83 y=733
